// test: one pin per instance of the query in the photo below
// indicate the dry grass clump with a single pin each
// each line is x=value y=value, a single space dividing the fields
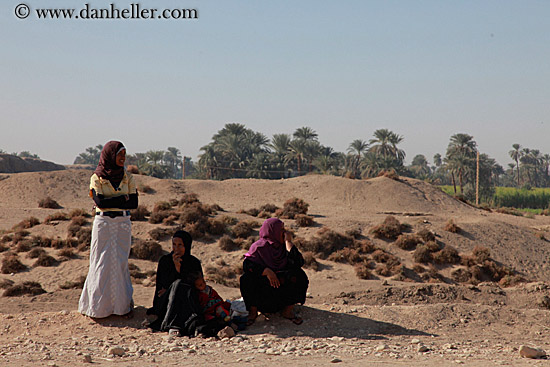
x=450 y=226
x=139 y=213
x=158 y=217
x=78 y=284
x=325 y=242
x=227 y=244
x=422 y=255
x=481 y=254
x=19 y=236
x=243 y=229
x=83 y=236
x=23 y=246
x=66 y=254
x=381 y=256
x=228 y=220
x=32 y=288
x=387 y=270
x=35 y=253
x=362 y=271
x=426 y=235
x=135 y=272
x=27 y=223
x=45 y=260
x=216 y=227
x=252 y=212
x=223 y=273
x=56 y=217
x=389 y=229
x=310 y=262
x=245 y=243
x=146 y=250
x=159 y=234
x=511 y=280
x=509 y=211
x=188 y=198
x=389 y=174
x=161 y=206
x=269 y=208
x=291 y=208
x=73 y=229
x=79 y=220
x=5 y=283
x=11 y=264
x=354 y=233
x=133 y=169
x=170 y=220
x=408 y=241
x=6 y=238
x=48 y=203
x=146 y=189
x=79 y=213
x=418 y=269
x=347 y=255
x=448 y=255
x=303 y=220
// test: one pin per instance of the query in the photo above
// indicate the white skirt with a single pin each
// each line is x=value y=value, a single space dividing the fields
x=108 y=287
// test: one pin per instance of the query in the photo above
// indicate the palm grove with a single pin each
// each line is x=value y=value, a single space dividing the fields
x=239 y=152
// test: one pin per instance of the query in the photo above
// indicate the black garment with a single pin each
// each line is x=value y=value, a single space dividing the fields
x=167 y=274
x=118 y=202
x=257 y=291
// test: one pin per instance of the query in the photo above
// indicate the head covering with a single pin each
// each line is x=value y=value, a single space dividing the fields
x=107 y=167
x=268 y=250
x=187 y=240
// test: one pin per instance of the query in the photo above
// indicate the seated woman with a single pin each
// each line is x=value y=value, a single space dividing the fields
x=176 y=300
x=273 y=280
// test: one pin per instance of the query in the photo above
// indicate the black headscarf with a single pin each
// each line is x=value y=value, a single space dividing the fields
x=187 y=240
x=107 y=167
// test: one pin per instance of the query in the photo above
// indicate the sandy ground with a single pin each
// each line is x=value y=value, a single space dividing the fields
x=348 y=321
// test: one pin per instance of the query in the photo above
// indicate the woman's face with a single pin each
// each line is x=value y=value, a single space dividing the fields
x=177 y=246
x=121 y=158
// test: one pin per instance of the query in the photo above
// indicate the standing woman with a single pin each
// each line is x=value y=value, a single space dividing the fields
x=108 y=287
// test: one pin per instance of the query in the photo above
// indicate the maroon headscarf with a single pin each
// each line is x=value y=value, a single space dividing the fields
x=107 y=167
x=268 y=250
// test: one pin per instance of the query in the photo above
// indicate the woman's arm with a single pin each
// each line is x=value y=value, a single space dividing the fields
x=295 y=258
x=118 y=202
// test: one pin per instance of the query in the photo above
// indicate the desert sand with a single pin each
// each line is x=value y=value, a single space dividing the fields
x=347 y=320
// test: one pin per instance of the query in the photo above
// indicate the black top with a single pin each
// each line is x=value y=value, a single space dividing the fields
x=295 y=260
x=118 y=202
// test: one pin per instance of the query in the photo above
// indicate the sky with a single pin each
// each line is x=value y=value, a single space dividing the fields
x=424 y=69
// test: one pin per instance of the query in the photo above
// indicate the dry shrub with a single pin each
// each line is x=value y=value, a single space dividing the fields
x=481 y=254
x=45 y=260
x=426 y=235
x=264 y=215
x=386 y=270
x=325 y=242
x=509 y=211
x=269 y=208
x=78 y=220
x=448 y=255
x=354 y=233
x=6 y=238
x=78 y=284
x=3 y=248
x=227 y=244
x=139 y=213
x=66 y=254
x=174 y=202
x=364 y=246
x=73 y=229
x=133 y=169
x=56 y=217
x=303 y=220
x=224 y=274
x=494 y=271
x=228 y=220
x=27 y=223
x=32 y=288
x=461 y=275
x=309 y=261
x=381 y=256
x=252 y=212
x=247 y=242
x=214 y=208
x=241 y=229
x=83 y=236
x=389 y=174
x=418 y=269
x=20 y=235
x=362 y=271
x=79 y=213
x=5 y=283
x=434 y=274
x=159 y=234
x=407 y=241
x=511 y=280
x=389 y=229
x=422 y=254
x=291 y=208
x=146 y=189
x=194 y=213
x=11 y=264
x=158 y=217
x=433 y=246
x=188 y=198
x=58 y=243
x=468 y=260
x=450 y=226
x=23 y=246
x=347 y=255
x=135 y=272
x=216 y=227
x=48 y=203
x=41 y=241
x=161 y=206
x=35 y=253
x=146 y=250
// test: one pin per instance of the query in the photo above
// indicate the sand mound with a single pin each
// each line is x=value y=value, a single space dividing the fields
x=12 y=164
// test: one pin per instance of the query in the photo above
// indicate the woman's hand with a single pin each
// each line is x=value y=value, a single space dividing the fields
x=288 y=241
x=177 y=261
x=272 y=277
x=161 y=292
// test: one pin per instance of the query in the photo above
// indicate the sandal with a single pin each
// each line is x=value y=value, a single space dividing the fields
x=296 y=320
x=129 y=315
x=250 y=321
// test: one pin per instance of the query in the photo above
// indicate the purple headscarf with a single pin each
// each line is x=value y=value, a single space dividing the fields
x=268 y=250
x=107 y=167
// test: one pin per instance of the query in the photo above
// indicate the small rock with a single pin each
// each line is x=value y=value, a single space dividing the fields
x=336 y=338
x=449 y=346
x=226 y=332
x=381 y=347
x=415 y=341
x=87 y=358
x=116 y=351
x=528 y=352
x=64 y=312
x=272 y=351
x=422 y=349
x=290 y=348
x=299 y=333
x=458 y=361
x=335 y=360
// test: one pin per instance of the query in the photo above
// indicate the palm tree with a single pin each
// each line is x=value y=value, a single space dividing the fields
x=515 y=154
x=460 y=156
x=296 y=151
x=173 y=158
x=384 y=144
x=419 y=166
x=305 y=133
x=357 y=147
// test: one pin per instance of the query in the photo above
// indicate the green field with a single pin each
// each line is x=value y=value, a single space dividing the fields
x=510 y=197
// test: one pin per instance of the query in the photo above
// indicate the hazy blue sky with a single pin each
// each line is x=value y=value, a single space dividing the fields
x=424 y=69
